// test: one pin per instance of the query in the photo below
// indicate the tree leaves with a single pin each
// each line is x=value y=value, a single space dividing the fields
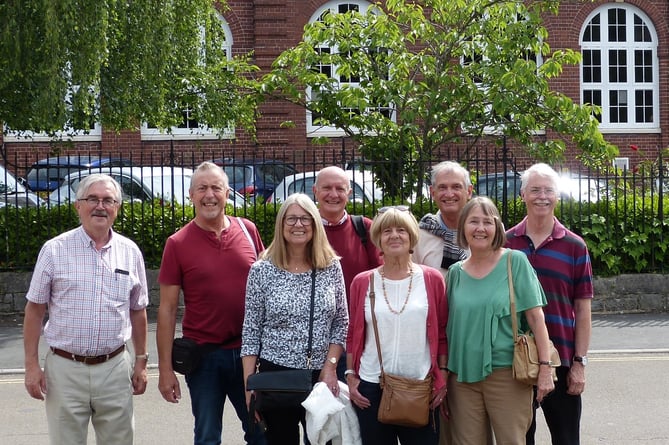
x=72 y=63
x=450 y=71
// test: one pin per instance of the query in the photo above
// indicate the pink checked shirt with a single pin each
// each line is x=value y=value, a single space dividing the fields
x=89 y=293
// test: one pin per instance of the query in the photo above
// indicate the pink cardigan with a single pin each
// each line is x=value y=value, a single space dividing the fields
x=437 y=318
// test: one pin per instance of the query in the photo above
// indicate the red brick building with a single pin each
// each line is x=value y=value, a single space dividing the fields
x=624 y=69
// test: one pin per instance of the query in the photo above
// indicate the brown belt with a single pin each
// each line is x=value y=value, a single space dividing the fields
x=88 y=360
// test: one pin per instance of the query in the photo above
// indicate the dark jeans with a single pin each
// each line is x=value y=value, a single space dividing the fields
x=562 y=412
x=374 y=432
x=283 y=426
x=219 y=376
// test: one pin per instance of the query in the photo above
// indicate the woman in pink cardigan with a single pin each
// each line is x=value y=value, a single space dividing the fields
x=411 y=312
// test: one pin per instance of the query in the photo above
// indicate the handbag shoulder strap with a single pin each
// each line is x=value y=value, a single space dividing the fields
x=372 y=298
x=512 y=298
x=311 y=317
x=248 y=236
x=311 y=324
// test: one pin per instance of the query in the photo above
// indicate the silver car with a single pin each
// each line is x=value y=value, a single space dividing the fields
x=140 y=184
x=362 y=182
x=14 y=194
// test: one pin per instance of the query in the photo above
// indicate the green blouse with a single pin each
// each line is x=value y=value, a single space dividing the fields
x=480 y=336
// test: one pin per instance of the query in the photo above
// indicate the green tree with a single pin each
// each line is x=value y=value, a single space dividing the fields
x=71 y=63
x=448 y=70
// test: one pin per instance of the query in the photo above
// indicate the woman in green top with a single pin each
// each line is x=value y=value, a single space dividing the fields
x=481 y=388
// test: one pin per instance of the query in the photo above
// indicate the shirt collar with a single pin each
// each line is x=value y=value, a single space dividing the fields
x=88 y=241
x=559 y=231
x=339 y=223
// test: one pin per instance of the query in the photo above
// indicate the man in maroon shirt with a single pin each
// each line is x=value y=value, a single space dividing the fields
x=332 y=190
x=209 y=261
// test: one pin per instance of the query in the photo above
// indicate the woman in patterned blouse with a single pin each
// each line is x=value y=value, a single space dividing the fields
x=278 y=300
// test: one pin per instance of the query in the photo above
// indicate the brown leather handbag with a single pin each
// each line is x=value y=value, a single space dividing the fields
x=404 y=401
x=525 y=355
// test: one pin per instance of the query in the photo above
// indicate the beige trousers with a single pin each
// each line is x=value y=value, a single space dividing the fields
x=78 y=394
x=498 y=402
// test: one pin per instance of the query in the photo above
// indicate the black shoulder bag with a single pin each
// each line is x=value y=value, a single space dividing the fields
x=285 y=388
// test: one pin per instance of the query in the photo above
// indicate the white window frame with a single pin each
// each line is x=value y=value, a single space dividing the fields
x=323 y=130
x=201 y=132
x=630 y=86
x=67 y=134
x=93 y=135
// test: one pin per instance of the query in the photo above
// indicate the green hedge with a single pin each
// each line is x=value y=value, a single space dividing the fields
x=624 y=236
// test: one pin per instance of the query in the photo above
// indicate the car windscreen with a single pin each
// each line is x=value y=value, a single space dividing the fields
x=238 y=174
x=171 y=188
x=50 y=174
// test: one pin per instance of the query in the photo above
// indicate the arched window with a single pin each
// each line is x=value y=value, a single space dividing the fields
x=335 y=7
x=619 y=70
x=190 y=128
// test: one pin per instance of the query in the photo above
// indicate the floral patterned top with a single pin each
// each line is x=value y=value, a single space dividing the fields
x=276 y=319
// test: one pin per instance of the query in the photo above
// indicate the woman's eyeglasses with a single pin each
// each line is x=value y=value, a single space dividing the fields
x=399 y=208
x=306 y=220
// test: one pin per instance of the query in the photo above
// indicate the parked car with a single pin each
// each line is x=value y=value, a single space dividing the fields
x=362 y=183
x=47 y=174
x=492 y=185
x=14 y=194
x=257 y=178
x=582 y=188
x=139 y=184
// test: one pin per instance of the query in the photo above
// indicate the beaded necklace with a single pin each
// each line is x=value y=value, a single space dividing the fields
x=385 y=295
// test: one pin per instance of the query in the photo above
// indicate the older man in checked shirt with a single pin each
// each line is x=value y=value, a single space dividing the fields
x=93 y=282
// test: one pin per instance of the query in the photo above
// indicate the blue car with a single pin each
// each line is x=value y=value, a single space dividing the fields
x=46 y=175
x=255 y=178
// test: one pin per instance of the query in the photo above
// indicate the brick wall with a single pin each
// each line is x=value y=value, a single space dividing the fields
x=267 y=27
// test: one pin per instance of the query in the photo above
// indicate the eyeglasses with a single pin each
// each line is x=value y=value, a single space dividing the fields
x=537 y=191
x=306 y=220
x=107 y=203
x=399 y=208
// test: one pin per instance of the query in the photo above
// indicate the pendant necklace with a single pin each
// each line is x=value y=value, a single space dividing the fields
x=385 y=295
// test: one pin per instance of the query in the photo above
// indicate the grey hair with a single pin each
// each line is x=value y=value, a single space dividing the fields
x=90 y=180
x=451 y=167
x=542 y=170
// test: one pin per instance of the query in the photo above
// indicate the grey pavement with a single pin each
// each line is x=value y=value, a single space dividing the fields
x=610 y=333
x=624 y=402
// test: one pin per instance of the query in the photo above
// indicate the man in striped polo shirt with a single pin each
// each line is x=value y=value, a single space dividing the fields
x=562 y=262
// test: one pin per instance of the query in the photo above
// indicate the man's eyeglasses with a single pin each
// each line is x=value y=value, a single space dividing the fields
x=399 y=208
x=306 y=220
x=537 y=191
x=107 y=203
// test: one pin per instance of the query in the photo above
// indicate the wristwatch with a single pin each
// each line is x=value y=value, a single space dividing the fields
x=333 y=360
x=582 y=359
x=349 y=372
x=142 y=357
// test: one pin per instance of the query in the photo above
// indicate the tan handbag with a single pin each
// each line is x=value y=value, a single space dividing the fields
x=525 y=355
x=404 y=401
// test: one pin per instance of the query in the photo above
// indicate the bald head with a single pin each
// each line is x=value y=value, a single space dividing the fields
x=331 y=173
x=332 y=189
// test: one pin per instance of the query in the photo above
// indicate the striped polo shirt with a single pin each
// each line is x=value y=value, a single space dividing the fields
x=562 y=263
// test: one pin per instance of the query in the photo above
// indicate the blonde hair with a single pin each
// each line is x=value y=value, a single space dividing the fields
x=319 y=252
x=394 y=217
x=489 y=209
